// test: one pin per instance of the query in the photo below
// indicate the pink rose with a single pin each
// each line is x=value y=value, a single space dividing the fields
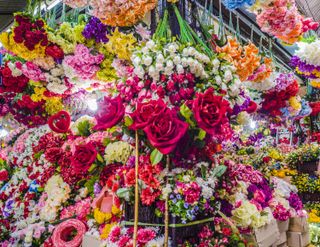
x=165 y=131
x=110 y=112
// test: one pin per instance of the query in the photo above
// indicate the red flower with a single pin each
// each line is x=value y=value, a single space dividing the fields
x=83 y=157
x=252 y=107
x=315 y=108
x=130 y=178
x=210 y=112
x=53 y=154
x=4 y=175
x=60 y=122
x=192 y=192
x=148 y=196
x=226 y=231
x=54 y=51
x=111 y=112
x=145 y=113
x=165 y=131
x=266 y=159
x=145 y=235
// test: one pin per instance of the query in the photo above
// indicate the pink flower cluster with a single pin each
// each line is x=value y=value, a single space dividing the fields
x=31 y=70
x=121 y=239
x=81 y=209
x=84 y=64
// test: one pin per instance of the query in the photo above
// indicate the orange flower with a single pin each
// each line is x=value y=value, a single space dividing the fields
x=246 y=59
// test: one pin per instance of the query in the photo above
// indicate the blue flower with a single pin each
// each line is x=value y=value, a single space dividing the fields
x=33 y=186
x=179 y=197
x=186 y=205
x=234 y=4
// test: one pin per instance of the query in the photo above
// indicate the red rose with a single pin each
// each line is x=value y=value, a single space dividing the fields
x=226 y=231
x=83 y=157
x=315 y=106
x=210 y=112
x=54 y=51
x=165 y=131
x=6 y=72
x=4 y=175
x=252 y=107
x=145 y=112
x=110 y=112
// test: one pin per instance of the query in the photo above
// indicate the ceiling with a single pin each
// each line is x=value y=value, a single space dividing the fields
x=310 y=8
x=7 y=8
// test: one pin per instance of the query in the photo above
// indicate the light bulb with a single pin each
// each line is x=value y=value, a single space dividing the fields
x=3 y=133
x=252 y=124
x=92 y=104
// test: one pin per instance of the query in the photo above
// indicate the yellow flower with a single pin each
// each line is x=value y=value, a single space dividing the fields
x=295 y=103
x=121 y=44
x=98 y=216
x=106 y=230
x=101 y=217
x=20 y=49
x=115 y=210
x=53 y=105
x=38 y=94
x=313 y=216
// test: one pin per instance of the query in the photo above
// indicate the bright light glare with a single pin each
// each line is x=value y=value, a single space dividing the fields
x=3 y=133
x=53 y=4
x=92 y=104
x=253 y=124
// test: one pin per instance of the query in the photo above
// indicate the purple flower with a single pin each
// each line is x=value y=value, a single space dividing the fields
x=295 y=202
x=95 y=29
x=226 y=208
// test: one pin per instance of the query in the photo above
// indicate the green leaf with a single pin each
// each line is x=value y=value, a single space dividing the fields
x=156 y=156
x=100 y=158
x=123 y=192
x=202 y=134
x=219 y=170
x=187 y=114
x=128 y=121
x=38 y=155
x=84 y=128
x=90 y=183
x=92 y=167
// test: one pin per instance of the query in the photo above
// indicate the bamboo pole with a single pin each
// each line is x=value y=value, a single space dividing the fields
x=166 y=216
x=136 y=193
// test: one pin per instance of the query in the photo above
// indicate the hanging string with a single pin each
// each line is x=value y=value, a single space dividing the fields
x=238 y=35
x=251 y=34
x=136 y=193
x=231 y=27
x=221 y=30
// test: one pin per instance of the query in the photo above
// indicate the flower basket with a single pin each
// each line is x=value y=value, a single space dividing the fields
x=189 y=232
x=264 y=236
x=298 y=239
x=146 y=214
x=310 y=197
x=90 y=241
x=283 y=226
x=298 y=224
x=309 y=167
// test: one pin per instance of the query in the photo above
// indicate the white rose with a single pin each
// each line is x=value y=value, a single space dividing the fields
x=160 y=58
x=136 y=61
x=218 y=79
x=184 y=62
x=159 y=67
x=152 y=70
x=192 y=51
x=176 y=60
x=172 y=48
x=139 y=71
x=180 y=69
x=215 y=63
x=185 y=52
x=228 y=75
x=150 y=44
x=147 y=60
x=169 y=64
